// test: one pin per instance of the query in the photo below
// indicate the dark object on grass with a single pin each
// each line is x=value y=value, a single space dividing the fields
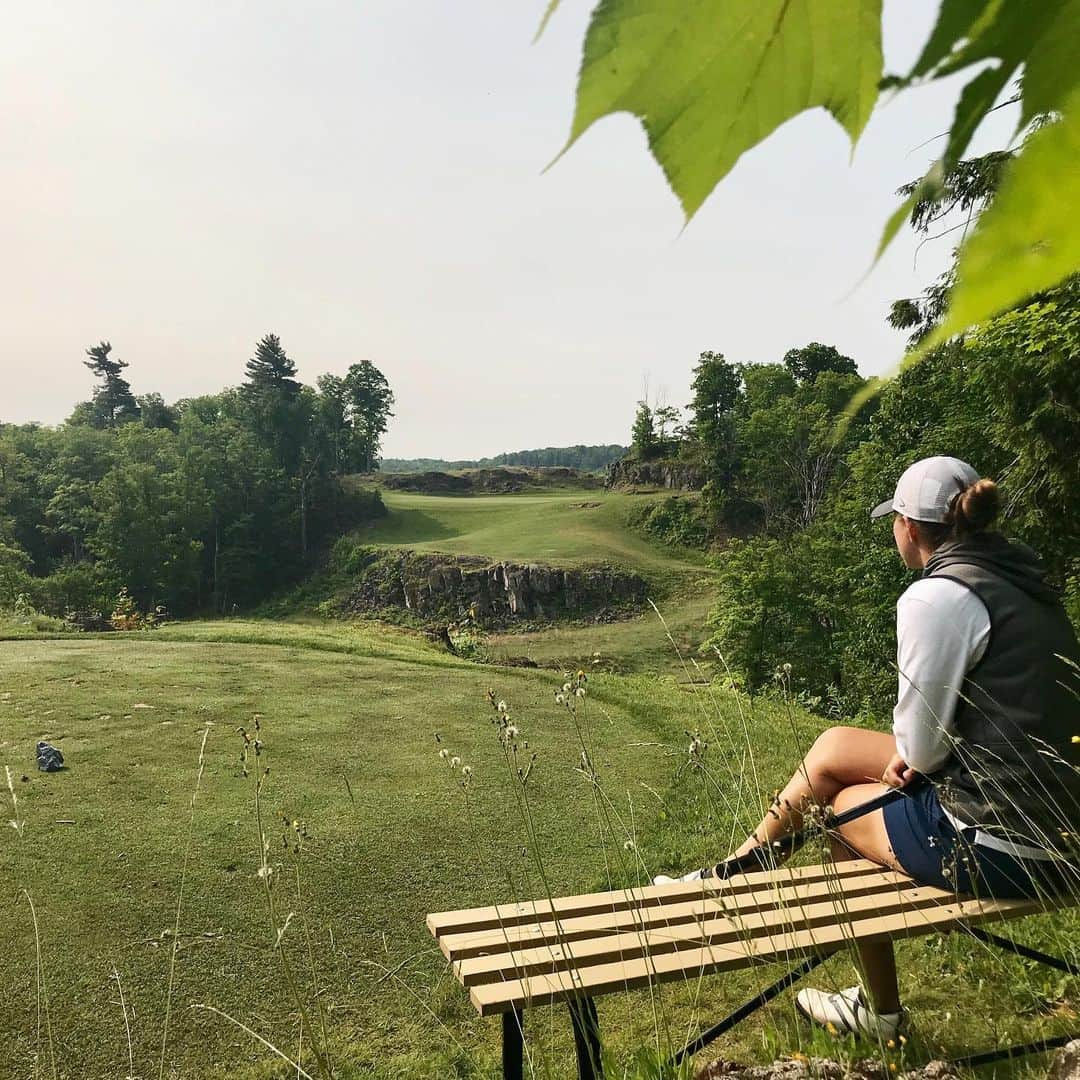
x=49 y=759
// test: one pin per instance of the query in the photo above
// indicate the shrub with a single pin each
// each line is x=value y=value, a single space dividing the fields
x=673 y=520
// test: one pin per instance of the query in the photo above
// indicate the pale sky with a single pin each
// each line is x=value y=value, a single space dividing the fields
x=364 y=178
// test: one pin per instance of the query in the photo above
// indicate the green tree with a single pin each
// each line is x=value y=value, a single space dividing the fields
x=369 y=400
x=156 y=413
x=644 y=444
x=272 y=397
x=113 y=402
x=811 y=360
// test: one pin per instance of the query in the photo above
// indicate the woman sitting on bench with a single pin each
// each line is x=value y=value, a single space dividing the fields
x=984 y=732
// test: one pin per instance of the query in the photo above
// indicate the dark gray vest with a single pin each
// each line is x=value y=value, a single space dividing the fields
x=1014 y=770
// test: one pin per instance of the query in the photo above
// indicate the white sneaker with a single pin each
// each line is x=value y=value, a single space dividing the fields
x=846 y=1011
x=663 y=879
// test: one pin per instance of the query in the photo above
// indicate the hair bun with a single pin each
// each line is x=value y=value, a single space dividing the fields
x=976 y=507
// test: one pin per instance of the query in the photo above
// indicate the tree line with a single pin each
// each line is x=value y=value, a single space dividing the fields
x=209 y=503
x=585 y=458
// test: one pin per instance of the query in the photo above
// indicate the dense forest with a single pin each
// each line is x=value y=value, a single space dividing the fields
x=793 y=464
x=585 y=458
x=205 y=504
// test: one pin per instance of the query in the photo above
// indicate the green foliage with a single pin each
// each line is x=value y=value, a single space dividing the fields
x=807 y=363
x=14 y=579
x=675 y=520
x=1029 y=239
x=113 y=402
x=713 y=78
x=644 y=441
x=822 y=598
x=213 y=503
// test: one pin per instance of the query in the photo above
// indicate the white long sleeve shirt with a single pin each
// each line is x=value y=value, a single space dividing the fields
x=942 y=629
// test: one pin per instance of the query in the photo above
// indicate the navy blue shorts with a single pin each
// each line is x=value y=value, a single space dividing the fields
x=934 y=852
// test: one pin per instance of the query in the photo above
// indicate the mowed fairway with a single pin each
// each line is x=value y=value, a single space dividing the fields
x=566 y=528
x=348 y=721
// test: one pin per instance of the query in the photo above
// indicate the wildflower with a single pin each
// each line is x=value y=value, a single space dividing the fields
x=501 y=707
x=455 y=761
x=1076 y=738
x=891 y=1044
x=560 y=699
x=580 y=691
x=581 y=674
x=630 y=846
x=566 y=688
x=892 y=1066
x=903 y=1039
x=466 y=771
x=512 y=732
x=444 y=753
x=830 y=1027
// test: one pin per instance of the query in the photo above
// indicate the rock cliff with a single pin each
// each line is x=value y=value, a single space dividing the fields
x=672 y=475
x=496 y=594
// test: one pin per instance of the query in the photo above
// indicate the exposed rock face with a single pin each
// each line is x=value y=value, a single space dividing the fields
x=1066 y=1063
x=673 y=475
x=802 y=1068
x=442 y=586
x=503 y=479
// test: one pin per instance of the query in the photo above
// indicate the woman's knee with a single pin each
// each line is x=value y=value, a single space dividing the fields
x=829 y=745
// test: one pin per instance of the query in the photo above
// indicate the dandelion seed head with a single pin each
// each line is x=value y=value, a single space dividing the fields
x=566 y=688
x=455 y=761
x=580 y=691
x=444 y=753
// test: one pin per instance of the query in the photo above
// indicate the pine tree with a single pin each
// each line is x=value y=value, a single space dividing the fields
x=113 y=401
x=271 y=369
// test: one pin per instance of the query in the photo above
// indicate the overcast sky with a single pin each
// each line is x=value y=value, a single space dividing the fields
x=364 y=178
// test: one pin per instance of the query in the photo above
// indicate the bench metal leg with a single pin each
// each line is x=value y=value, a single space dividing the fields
x=1023 y=950
x=587 y=1038
x=513 y=1045
x=745 y=1010
x=973 y=1061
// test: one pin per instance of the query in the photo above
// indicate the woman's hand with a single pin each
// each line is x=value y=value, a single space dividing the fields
x=897 y=773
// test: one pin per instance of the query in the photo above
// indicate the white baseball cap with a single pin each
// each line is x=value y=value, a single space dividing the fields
x=926 y=490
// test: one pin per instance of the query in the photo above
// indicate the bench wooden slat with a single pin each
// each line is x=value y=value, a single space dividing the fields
x=500 y=915
x=462 y=946
x=604 y=978
x=766 y=927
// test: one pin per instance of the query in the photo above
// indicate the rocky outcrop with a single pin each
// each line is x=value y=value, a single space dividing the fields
x=1066 y=1063
x=672 y=475
x=493 y=594
x=501 y=480
x=799 y=1067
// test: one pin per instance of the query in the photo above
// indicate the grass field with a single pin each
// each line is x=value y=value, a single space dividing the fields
x=566 y=528
x=348 y=715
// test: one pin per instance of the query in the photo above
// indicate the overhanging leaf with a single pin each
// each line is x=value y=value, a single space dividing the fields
x=1029 y=238
x=709 y=79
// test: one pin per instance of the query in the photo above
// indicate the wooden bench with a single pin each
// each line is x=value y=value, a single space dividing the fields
x=575 y=949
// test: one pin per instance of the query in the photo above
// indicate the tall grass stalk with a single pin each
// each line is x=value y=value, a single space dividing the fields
x=180 y=902
x=42 y=991
x=300 y=1071
x=127 y=1025
x=278 y=930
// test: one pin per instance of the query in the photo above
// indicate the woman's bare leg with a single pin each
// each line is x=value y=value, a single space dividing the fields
x=866 y=837
x=842 y=757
